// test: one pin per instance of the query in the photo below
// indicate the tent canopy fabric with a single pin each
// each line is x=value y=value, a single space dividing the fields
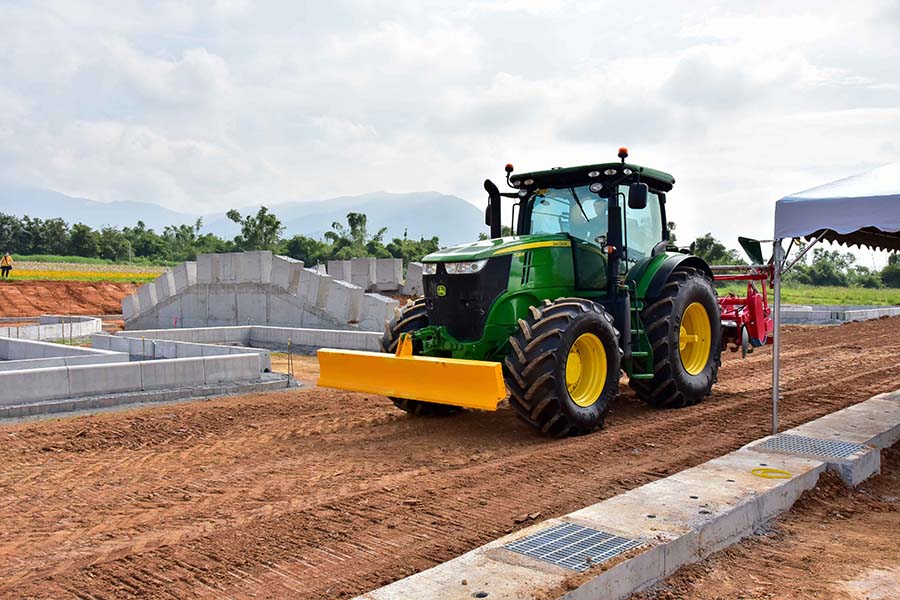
x=860 y=210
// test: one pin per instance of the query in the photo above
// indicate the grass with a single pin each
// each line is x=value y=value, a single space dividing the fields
x=809 y=294
x=83 y=260
x=55 y=258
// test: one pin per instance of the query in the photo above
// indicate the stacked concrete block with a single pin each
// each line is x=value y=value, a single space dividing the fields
x=286 y=273
x=388 y=274
x=344 y=301
x=308 y=287
x=185 y=276
x=131 y=306
x=413 y=285
x=147 y=296
x=376 y=310
x=255 y=288
x=339 y=269
x=363 y=273
x=205 y=268
x=165 y=286
x=252 y=267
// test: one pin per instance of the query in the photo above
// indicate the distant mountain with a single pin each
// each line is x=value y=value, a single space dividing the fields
x=421 y=214
x=47 y=204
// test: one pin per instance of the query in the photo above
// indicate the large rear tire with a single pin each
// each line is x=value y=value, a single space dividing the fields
x=412 y=317
x=564 y=366
x=685 y=332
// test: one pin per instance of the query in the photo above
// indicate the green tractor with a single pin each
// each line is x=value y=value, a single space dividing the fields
x=586 y=288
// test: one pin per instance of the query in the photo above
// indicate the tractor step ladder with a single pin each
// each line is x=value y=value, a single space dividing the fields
x=636 y=307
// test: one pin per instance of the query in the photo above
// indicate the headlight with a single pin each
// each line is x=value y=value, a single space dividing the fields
x=429 y=268
x=462 y=268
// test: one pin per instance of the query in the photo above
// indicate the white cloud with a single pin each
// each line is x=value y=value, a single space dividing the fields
x=213 y=105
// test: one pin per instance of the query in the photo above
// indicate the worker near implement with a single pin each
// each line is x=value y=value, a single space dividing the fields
x=6 y=264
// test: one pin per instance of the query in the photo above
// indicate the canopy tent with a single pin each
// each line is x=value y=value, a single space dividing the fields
x=862 y=210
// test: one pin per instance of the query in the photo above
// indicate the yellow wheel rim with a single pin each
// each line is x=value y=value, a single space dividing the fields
x=695 y=338
x=586 y=370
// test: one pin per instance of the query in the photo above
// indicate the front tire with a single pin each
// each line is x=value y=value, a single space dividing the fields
x=684 y=327
x=412 y=317
x=564 y=366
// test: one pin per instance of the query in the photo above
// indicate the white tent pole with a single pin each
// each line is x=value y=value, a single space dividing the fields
x=776 y=341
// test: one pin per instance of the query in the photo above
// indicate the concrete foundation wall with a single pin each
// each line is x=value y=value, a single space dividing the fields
x=53 y=327
x=149 y=349
x=37 y=385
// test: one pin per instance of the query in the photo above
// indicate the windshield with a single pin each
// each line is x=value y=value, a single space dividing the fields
x=575 y=210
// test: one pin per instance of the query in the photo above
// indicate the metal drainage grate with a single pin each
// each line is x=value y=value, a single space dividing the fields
x=798 y=444
x=572 y=546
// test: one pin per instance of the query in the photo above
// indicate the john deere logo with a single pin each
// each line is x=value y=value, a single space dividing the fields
x=441 y=290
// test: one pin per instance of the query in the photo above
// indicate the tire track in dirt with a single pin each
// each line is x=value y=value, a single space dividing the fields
x=321 y=494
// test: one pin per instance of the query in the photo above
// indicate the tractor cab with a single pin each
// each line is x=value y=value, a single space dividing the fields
x=617 y=209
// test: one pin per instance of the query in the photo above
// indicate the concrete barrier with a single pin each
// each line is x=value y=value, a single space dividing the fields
x=33 y=385
x=172 y=373
x=237 y=367
x=92 y=380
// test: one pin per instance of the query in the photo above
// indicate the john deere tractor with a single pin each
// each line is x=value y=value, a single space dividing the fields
x=551 y=316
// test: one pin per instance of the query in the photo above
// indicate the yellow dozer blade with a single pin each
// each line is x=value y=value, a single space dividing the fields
x=467 y=383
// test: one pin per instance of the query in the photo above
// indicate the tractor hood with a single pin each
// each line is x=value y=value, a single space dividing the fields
x=498 y=247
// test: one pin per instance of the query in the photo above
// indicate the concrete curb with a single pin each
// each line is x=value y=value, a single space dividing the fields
x=666 y=524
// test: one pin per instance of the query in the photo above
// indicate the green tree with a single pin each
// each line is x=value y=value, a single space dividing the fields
x=145 y=242
x=83 y=241
x=10 y=232
x=412 y=250
x=258 y=232
x=353 y=241
x=307 y=249
x=114 y=245
x=505 y=231
x=890 y=275
x=828 y=267
x=714 y=252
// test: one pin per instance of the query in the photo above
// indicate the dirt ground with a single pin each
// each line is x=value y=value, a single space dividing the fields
x=35 y=298
x=835 y=543
x=314 y=493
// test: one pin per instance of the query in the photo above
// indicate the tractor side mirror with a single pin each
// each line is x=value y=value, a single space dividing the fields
x=637 y=196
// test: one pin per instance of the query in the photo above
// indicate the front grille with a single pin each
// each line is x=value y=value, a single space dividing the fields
x=464 y=307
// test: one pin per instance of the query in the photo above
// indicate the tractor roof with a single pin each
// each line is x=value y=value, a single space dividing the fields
x=657 y=180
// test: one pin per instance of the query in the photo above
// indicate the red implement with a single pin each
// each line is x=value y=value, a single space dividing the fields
x=746 y=321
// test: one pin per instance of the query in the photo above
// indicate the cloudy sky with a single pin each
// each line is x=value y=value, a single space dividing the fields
x=210 y=105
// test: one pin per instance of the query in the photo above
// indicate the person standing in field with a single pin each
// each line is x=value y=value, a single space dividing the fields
x=5 y=265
